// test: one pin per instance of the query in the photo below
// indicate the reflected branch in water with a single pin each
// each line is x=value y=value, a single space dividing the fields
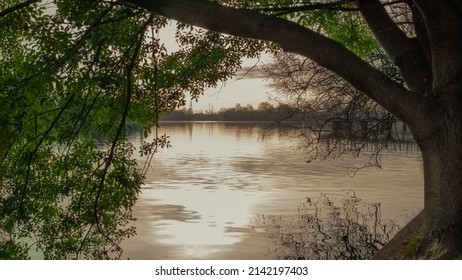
x=321 y=230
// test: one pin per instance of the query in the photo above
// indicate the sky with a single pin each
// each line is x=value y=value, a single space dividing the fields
x=252 y=90
x=246 y=89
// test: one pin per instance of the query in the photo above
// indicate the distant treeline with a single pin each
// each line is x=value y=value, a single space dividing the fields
x=264 y=112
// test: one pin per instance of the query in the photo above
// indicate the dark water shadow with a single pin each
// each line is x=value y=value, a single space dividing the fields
x=324 y=229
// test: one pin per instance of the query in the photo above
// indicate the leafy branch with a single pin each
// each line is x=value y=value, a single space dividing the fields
x=120 y=129
x=17 y=7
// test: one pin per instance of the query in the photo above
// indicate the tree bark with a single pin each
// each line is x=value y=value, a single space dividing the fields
x=443 y=20
x=406 y=53
x=442 y=156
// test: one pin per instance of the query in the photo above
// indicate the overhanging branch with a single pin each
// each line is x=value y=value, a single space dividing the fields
x=297 y=39
x=332 y=6
x=17 y=7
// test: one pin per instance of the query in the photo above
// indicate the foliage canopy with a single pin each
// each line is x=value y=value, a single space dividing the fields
x=74 y=75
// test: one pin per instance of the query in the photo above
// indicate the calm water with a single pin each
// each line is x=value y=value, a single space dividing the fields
x=229 y=191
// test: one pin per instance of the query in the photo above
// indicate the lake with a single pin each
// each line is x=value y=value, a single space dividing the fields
x=237 y=191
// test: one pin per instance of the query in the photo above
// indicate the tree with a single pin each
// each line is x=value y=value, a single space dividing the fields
x=430 y=63
x=74 y=77
x=426 y=50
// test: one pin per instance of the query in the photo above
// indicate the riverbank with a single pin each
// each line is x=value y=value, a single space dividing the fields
x=395 y=249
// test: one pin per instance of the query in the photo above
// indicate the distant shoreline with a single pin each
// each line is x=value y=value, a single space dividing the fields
x=220 y=121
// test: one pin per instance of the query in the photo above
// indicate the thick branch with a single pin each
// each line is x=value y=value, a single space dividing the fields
x=420 y=30
x=443 y=20
x=331 y=6
x=17 y=7
x=296 y=39
x=405 y=52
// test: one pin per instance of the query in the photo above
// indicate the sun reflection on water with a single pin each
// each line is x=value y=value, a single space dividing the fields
x=210 y=196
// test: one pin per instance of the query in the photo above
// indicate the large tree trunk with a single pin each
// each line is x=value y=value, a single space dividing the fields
x=442 y=157
x=431 y=65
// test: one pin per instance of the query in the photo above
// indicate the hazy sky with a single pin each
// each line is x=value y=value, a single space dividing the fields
x=244 y=91
x=248 y=90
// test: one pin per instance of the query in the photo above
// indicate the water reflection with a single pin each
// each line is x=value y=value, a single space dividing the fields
x=351 y=230
x=230 y=191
